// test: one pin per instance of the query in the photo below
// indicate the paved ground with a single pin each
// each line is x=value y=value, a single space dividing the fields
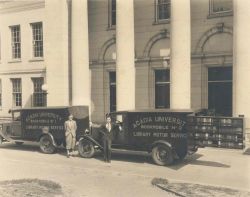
x=127 y=175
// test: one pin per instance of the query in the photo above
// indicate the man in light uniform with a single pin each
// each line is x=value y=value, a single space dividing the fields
x=70 y=134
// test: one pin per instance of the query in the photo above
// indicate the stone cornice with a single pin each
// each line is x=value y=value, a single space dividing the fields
x=210 y=55
x=12 y=7
x=28 y=71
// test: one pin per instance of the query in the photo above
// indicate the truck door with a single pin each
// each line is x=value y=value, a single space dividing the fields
x=120 y=136
x=16 y=131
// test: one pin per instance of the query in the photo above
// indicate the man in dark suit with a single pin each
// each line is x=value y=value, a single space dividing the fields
x=109 y=132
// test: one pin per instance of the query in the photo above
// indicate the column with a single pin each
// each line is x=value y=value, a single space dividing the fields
x=180 y=55
x=125 y=50
x=80 y=54
x=241 y=59
x=56 y=52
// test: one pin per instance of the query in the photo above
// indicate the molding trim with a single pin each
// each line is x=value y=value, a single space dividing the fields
x=18 y=8
x=218 y=29
x=107 y=63
x=14 y=72
x=210 y=55
x=105 y=47
x=164 y=33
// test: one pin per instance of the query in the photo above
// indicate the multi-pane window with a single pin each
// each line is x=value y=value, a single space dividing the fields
x=0 y=93
x=112 y=14
x=112 y=91
x=39 y=96
x=16 y=41
x=17 y=92
x=162 y=89
x=37 y=31
x=220 y=6
x=220 y=90
x=162 y=9
x=0 y=47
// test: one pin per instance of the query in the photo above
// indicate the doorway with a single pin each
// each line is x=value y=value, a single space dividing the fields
x=220 y=90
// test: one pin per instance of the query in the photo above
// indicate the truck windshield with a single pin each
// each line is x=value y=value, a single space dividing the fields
x=119 y=118
x=16 y=116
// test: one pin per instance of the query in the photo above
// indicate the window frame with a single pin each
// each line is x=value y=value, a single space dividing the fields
x=37 y=44
x=39 y=97
x=157 y=19
x=160 y=83
x=213 y=14
x=0 y=48
x=219 y=80
x=1 y=93
x=112 y=84
x=16 y=92
x=15 y=45
x=111 y=26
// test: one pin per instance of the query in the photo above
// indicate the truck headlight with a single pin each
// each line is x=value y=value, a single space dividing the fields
x=87 y=131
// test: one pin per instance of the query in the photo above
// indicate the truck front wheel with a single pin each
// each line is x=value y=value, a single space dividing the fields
x=162 y=155
x=46 y=145
x=86 y=148
x=19 y=143
x=1 y=140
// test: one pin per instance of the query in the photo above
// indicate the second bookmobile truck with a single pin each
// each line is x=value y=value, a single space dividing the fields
x=166 y=134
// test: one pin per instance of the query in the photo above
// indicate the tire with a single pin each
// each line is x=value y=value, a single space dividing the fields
x=1 y=140
x=46 y=145
x=19 y=143
x=86 y=148
x=162 y=155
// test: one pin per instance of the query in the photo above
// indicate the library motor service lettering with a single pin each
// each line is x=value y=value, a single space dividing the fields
x=37 y=121
x=159 y=127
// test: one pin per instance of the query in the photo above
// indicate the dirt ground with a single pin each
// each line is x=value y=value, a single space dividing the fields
x=26 y=172
x=45 y=188
x=197 y=190
x=30 y=188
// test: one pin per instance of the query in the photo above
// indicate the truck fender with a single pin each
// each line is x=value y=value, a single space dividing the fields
x=87 y=137
x=51 y=137
x=161 y=142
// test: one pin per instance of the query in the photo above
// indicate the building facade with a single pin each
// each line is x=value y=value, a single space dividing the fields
x=22 y=67
x=115 y=55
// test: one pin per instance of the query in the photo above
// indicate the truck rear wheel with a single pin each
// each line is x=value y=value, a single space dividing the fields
x=86 y=148
x=162 y=155
x=46 y=145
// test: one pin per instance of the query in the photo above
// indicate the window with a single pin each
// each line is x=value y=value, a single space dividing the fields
x=221 y=7
x=0 y=47
x=220 y=90
x=162 y=10
x=112 y=91
x=39 y=96
x=17 y=92
x=112 y=13
x=16 y=42
x=37 y=30
x=162 y=89
x=0 y=93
